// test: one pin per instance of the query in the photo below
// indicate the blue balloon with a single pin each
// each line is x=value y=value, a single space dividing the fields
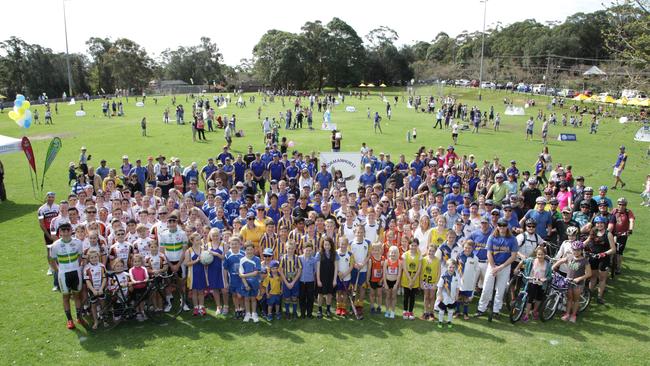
x=20 y=97
x=27 y=123
x=18 y=103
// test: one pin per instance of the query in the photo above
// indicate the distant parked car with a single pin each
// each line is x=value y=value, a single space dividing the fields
x=488 y=85
x=539 y=88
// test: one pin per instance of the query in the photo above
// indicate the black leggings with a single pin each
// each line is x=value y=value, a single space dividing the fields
x=409 y=298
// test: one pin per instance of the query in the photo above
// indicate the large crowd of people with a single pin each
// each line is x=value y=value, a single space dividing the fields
x=287 y=235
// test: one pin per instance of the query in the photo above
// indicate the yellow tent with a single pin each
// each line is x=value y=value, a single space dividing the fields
x=382 y=85
x=621 y=101
x=580 y=97
x=362 y=85
x=371 y=85
x=635 y=101
x=609 y=99
x=644 y=103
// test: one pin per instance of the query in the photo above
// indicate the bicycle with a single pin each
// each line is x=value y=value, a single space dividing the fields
x=557 y=297
x=519 y=304
x=117 y=305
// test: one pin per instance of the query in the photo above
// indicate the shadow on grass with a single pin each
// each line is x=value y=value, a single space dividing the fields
x=10 y=210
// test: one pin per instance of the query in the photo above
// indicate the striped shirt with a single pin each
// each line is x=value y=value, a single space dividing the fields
x=67 y=255
x=289 y=266
x=173 y=243
x=270 y=241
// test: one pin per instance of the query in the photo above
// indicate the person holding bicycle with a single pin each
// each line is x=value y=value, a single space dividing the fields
x=174 y=244
x=621 y=224
x=601 y=245
x=578 y=271
x=538 y=269
x=566 y=250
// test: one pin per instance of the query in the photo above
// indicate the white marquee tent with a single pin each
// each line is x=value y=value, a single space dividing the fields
x=9 y=144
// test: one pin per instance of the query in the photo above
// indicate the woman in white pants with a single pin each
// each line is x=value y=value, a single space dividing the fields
x=502 y=250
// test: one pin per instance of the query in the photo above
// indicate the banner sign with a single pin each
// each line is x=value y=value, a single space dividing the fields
x=349 y=163
x=567 y=137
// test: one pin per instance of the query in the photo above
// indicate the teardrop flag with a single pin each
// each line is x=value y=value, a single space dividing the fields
x=29 y=153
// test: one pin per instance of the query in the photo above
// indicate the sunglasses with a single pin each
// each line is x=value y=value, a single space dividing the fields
x=93 y=211
x=495 y=214
x=502 y=225
x=267 y=256
x=531 y=226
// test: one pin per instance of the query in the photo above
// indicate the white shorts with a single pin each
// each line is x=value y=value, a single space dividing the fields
x=70 y=282
x=617 y=172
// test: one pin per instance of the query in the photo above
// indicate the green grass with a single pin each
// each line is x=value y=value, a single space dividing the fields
x=32 y=323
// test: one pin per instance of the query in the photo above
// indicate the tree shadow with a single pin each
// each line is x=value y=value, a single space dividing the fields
x=10 y=210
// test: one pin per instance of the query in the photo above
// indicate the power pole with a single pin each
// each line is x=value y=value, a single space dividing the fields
x=480 y=74
x=67 y=54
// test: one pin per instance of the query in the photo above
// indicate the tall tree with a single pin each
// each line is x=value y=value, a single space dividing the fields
x=130 y=65
x=100 y=73
x=346 y=54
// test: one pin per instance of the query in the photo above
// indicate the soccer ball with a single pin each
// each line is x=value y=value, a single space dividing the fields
x=206 y=258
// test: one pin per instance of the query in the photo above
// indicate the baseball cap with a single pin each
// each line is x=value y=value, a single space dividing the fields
x=250 y=215
x=466 y=211
x=566 y=209
x=540 y=200
x=267 y=252
x=274 y=264
x=495 y=210
x=484 y=219
x=455 y=185
x=532 y=180
x=489 y=202
x=460 y=221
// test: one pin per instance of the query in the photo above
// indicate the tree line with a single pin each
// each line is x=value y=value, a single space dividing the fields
x=333 y=54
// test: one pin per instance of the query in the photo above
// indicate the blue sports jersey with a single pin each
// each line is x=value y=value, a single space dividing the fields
x=480 y=244
x=249 y=265
x=231 y=264
x=502 y=248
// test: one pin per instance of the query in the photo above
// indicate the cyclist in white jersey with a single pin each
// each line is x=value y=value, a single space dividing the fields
x=66 y=254
x=174 y=241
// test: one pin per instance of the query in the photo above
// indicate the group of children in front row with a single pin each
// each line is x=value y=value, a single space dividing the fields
x=447 y=279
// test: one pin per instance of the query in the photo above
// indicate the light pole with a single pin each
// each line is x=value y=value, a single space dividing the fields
x=480 y=74
x=67 y=54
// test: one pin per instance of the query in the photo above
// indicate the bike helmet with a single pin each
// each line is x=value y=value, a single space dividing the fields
x=577 y=245
x=531 y=221
x=600 y=220
x=584 y=203
x=572 y=230
x=622 y=201
x=603 y=188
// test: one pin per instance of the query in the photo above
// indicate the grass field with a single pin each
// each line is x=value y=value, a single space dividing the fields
x=32 y=325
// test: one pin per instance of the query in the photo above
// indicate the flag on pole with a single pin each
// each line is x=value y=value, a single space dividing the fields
x=52 y=151
x=29 y=153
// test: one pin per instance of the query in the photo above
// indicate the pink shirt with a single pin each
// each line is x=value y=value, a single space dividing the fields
x=138 y=274
x=563 y=198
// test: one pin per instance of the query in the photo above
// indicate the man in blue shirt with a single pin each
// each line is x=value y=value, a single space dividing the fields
x=240 y=169
x=324 y=178
x=102 y=170
x=197 y=196
x=367 y=178
x=383 y=175
x=276 y=169
x=259 y=170
x=543 y=218
x=414 y=179
x=417 y=164
x=454 y=195
x=208 y=169
x=292 y=170
x=513 y=169
x=225 y=154
x=140 y=172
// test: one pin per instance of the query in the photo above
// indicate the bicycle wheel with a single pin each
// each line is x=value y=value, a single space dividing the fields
x=174 y=306
x=518 y=307
x=153 y=312
x=549 y=306
x=585 y=299
x=511 y=292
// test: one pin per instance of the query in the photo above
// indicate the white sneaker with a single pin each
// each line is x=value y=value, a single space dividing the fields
x=168 y=307
x=392 y=315
x=139 y=317
x=411 y=317
x=255 y=318
x=49 y=272
x=186 y=308
x=55 y=289
x=247 y=317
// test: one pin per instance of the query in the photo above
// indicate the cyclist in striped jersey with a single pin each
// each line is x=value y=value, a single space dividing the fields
x=174 y=244
x=66 y=253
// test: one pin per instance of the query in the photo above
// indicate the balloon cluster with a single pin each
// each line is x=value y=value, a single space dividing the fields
x=21 y=113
